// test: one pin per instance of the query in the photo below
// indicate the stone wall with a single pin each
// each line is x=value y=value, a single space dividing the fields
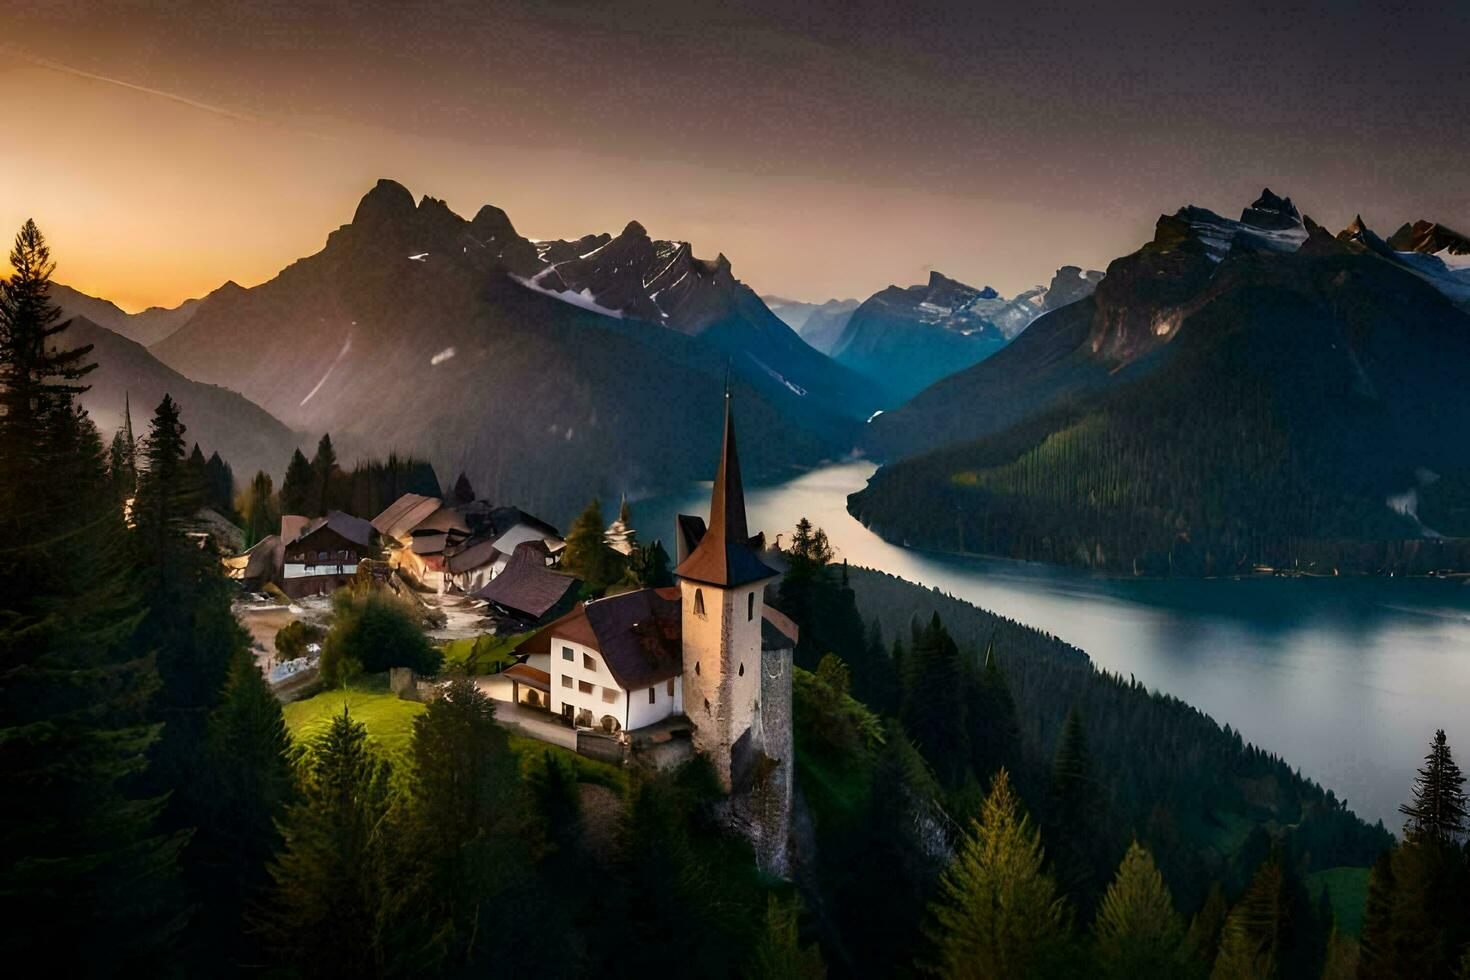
x=762 y=810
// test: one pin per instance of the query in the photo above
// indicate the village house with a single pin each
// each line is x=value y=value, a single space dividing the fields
x=309 y=556
x=707 y=649
x=323 y=554
x=527 y=593
x=457 y=546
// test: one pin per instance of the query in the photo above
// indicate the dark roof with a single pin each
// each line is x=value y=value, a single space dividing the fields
x=502 y=519
x=639 y=635
x=773 y=639
x=291 y=527
x=691 y=531
x=723 y=556
x=475 y=554
x=399 y=517
x=354 y=529
x=526 y=585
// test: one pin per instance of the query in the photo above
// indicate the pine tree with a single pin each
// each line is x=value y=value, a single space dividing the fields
x=648 y=567
x=326 y=478
x=122 y=464
x=80 y=845
x=995 y=734
x=297 y=490
x=1137 y=932
x=1202 y=941
x=1375 y=961
x=1256 y=932
x=1078 y=826
x=587 y=555
x=243 y=791
x=331 y=887
x=464 y=493
x=468 y=807
x=997 y=913
x=257 y=508
x=779 y=954
x=934 y=709
x=1438 y=810
x=220 y=483
x=189 y=626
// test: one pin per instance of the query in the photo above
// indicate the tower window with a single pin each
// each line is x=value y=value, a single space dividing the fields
x=706 y=705
x=742 y=670
x=652 y=695
x=696 y=666
x=699 y=602
x=750 y=607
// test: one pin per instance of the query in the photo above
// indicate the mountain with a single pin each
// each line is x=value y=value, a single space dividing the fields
x=819 y=324
x=1429 y=237
x=244 y=434
x=1234 y=393
x=146 y=327
x=907 y=338
x=547 y=371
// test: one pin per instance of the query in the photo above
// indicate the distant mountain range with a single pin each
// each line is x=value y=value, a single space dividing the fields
x=548 y=371
x=147 y=327
x=819 y=324
x=1235 y=392
x=907 y=338
x=247 y=436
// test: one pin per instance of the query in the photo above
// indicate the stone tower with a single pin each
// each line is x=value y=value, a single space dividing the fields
x=721 y=585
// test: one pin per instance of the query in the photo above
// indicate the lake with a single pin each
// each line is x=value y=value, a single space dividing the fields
x=1347 y=679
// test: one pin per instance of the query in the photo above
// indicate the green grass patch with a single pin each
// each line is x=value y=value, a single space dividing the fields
x=1347 y=890
x=1226 y=832
x=532 y=752
x=482 y=654
x=389 y=720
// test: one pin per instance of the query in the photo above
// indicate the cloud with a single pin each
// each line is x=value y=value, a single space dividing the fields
x=158 y=93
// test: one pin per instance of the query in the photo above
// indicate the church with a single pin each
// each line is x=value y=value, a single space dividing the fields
x=707 y=649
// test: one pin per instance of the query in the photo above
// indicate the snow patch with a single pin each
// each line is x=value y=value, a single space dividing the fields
x=875 y=415
x=584 y=299
x=1406 y=504
x=346 y=346
x=442 y=356
x=421 y=256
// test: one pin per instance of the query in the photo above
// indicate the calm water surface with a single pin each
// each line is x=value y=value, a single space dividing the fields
x=1346 y=679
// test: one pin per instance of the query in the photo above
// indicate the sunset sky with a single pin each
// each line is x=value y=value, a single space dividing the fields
x=827 y=149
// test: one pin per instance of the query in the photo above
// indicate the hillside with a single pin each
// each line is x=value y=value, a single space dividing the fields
x=819 y=324
x=1236 y=393
x=247 y=436
x=146 y=327
x=464 y=343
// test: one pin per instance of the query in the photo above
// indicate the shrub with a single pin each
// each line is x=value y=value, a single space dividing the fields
x=293 y=639
x=372 y=632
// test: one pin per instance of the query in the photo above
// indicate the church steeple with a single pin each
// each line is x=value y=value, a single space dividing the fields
x=723 y=556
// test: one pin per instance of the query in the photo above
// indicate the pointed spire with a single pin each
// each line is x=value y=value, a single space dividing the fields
x=724 y=556
x=128 y=422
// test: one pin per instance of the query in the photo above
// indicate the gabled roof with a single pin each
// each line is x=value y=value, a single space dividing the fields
x=527 y=586
x=354 y=529
x=723 y=556
x=400 y=517
x=638 y=634
x=291 y=527
x=443 y=518
x=477 y=553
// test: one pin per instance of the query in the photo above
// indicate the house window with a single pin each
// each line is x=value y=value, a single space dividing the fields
x=699 y=602
x=750 y=607
x=669 y=688
x=567 y=654
x=588 y=663
x=585 y=687
x=653 y=695
x=610 y=695
x=566 y=680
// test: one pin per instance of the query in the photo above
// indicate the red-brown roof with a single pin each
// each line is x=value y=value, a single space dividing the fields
x=639 y=635
x=723 y=556
x=527 y=674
